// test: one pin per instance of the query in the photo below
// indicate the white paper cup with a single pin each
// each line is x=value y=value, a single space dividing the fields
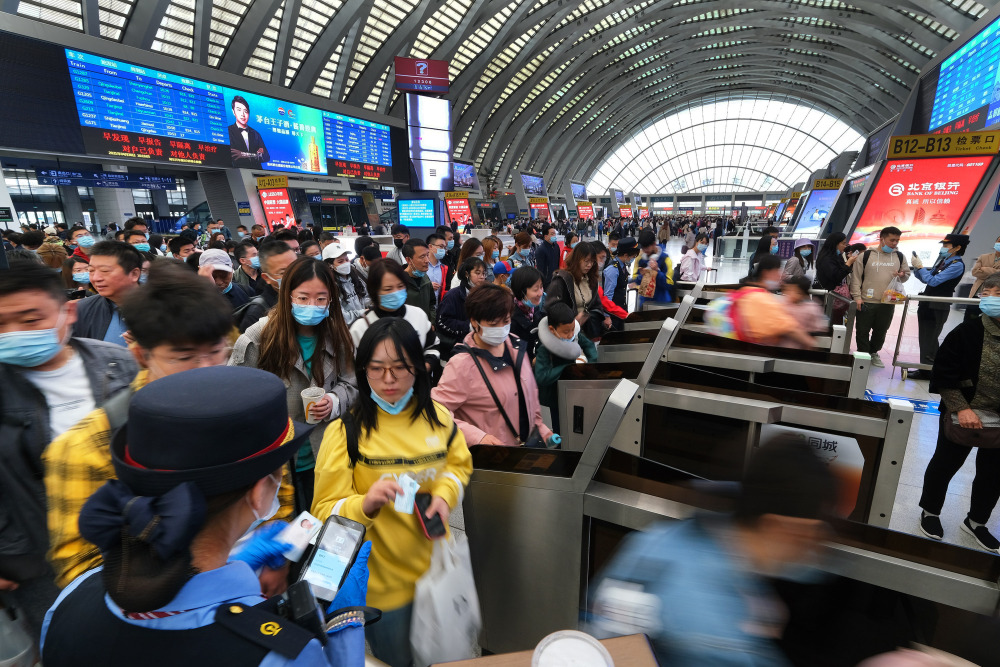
x=311 y=396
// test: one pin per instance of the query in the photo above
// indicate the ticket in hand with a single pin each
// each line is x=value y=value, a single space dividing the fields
x=405 y=500
x=299 y=533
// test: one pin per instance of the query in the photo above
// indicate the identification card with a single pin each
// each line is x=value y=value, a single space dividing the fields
x=405 y=500
x=299 y=533
x=871 y=293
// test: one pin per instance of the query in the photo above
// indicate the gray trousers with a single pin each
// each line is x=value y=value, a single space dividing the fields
x=930 y=324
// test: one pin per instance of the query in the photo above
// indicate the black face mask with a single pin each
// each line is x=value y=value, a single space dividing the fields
x=398 y=243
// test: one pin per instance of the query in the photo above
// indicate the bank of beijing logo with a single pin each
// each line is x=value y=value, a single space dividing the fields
x=896 y=189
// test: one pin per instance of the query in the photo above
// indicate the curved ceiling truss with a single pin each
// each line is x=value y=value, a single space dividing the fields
x=550 y=86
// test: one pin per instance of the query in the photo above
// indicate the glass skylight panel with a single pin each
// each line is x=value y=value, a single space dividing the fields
x=383 y=18
x=324 y=83
x=227 y=15
x=174 y=37
x=312 y=20
x=479 y=40
x=437 y=28
x=65 y=13
x=261 y=62
x=113 y=15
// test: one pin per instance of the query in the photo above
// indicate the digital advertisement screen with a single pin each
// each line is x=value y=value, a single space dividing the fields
x=875 y=143
x=815 y=210
x=417 y=212
x=126 y=110
x=579 y=190
x=458 y=211
x=430 y=112
x=429 y=129
x=534 y=186
x=790 y=210
x=780 y=210
x=924 y=198
x=539 y=211
x=618 y=196
x=625 y=211
x=643 y=212
x=968 y=87
x=466 y=177
x=277 y=207
x=585 y=210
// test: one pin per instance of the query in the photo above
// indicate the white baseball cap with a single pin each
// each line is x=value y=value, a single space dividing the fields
x=335 y=250
x=218 y=259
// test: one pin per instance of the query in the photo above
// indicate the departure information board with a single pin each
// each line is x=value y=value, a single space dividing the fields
x=126 y=110
x=968 y=87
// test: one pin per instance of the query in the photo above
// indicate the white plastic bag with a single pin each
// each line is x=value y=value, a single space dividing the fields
x=446 y=618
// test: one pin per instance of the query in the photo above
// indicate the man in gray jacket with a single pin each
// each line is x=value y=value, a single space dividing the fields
x=870 y=277
x=48 y=382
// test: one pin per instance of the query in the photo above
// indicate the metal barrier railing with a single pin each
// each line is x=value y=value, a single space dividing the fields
x=916 y=365
x=830 y=298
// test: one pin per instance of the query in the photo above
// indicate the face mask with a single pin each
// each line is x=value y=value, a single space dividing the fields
x=163 y=247
x=255 y=262
x=83 y=278
x=886 y=248
x=702 y=248
x=277 y=280
x=343 y=269
x=31 y=348
x=772 y=285
x=242 y=234
x=774 y=250
x=439 y=253
x=573 y=245
x=147 y=236
x=990 y=305
x=392 y=300
x=398 y=243
x=655 y=256
x=996 y=246
x=524 y=252
x=141 y=247
x=451 y=244
x=418 y=273
x=529 y=303
x=275 y=506
x=480 y=256
x=553 y=241
x=228 y=287
x=805 y=252
x=600 y=267
x=496 y=254
x=309 y=315
x=944 y=252
x=143 y=278
x=494 y=336
x=86 y=241
x=393 y=408
x=571 y=339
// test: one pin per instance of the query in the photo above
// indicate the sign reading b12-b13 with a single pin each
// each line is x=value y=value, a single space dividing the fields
x=416 y=75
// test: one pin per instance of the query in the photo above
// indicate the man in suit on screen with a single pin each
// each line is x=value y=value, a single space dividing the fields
x=245 y=143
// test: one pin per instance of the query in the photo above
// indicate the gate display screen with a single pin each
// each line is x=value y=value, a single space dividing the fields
x=968 y=87
x=924 y=198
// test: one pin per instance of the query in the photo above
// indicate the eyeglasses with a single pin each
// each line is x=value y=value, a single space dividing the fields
x=378 y=372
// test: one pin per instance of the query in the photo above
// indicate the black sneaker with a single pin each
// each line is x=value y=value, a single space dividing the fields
x=931 y=526
x=983 y=537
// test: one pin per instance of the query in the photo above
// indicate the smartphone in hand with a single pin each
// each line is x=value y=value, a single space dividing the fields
x=434 y=528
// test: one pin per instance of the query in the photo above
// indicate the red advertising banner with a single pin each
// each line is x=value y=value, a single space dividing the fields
x=422 y=76
x=924 y=198
x=277 y=207
x=643 y=212
x=458 y=210
x=540 y=211
x=585 y=211
x=625 y=211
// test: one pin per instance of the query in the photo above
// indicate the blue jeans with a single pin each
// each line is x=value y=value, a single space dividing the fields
x=390 y=637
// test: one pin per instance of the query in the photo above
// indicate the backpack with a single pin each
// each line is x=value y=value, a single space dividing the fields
x=864 y=261
x=240 y=312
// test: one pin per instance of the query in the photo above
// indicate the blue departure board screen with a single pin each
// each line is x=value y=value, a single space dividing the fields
x=968 y=89
x=126 y=110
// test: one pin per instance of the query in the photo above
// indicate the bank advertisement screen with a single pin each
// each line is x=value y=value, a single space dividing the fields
x=585 y=211
x=625 y=211
x=643 y=212
x=458 y=211
x=539 y=211
x=417 y=212
x=815 y=210
x=534 y=186
x=924 y=198
x=277 y=206
x=968 y=88
x=127 y=110
x=579 y=190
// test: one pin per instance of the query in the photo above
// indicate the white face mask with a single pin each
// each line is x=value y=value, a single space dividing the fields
x=275 y=506
x=494 y=335
x=343 y=269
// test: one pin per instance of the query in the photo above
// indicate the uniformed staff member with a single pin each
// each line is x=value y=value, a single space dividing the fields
x=616 y=277
x=196 y=471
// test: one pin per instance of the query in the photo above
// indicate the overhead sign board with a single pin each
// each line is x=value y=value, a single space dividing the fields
x=941 y=145
x=827 y=183
x=456 y=195
x=266 y=182
x=419 y=75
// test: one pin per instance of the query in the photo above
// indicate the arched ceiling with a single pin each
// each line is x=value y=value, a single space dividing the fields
x=552 y=86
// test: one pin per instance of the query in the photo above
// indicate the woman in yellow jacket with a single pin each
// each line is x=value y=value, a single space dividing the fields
x=393 y=428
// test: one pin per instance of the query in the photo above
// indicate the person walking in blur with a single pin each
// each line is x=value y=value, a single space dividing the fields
x=488 y=383
x=394 y=428
x=305 y=342
x=870 y=277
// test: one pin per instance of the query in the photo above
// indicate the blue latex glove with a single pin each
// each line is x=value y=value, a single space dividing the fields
x=354 y=592
x=263 y=549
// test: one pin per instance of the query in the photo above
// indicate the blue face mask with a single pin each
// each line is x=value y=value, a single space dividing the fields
x=996 y=246
x=524 y=252
x=886 y=248
x=143 y=277
x=86 y=241
x=82 y=278
x=255 y=262
x=141 y=247
x=573 y=245
x=309 y=315
x=163 y=247
x=392 y=300
x=393 y=408
x=703 y=248
x=451 y=244
x=990 y=305
x=418 y=273
x=439 y=253
x=228 y=288
x=774 y=250
x=805 y=252
x=496 y=254
x=30 y=348
x=242 y=234
x=529 y=303
x=944 y=252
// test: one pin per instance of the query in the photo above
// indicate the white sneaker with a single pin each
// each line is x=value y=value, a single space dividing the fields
x=877 y=361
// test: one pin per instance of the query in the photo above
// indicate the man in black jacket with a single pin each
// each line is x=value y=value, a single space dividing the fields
x=275 y=256
x=114 y=272
x=547 y=254
x=246 y=146
x=48 y=381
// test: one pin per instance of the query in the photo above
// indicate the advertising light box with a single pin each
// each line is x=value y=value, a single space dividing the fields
x=417 y=212
x=534 y=186
x=539 y=210
x=585 y=210
x=465 y=176
x=643 y=212
x=815 y=210
x=458 y=211
x=924 y=198
x=277 y=207
x=579 y=190
x=625 y=211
